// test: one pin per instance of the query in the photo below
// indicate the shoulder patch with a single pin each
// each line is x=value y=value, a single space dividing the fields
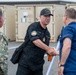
x=34 y=33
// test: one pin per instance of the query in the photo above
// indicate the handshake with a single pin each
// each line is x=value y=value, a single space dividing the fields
x=52 y=51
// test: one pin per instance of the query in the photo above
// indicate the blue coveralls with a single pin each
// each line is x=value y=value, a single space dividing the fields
x=69 y=32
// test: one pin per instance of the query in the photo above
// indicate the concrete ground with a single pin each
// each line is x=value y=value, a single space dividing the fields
x=12 y=68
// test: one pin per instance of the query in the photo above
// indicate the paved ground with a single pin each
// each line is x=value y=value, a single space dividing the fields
x=12 y=68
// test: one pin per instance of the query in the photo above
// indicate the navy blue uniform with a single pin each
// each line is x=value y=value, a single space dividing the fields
x=31 y=61
x=70 y=64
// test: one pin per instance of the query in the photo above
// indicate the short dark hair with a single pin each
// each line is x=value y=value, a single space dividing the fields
x=71 y=13
x=1 y=12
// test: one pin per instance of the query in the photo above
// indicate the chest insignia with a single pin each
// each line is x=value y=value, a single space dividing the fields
x=44 y=39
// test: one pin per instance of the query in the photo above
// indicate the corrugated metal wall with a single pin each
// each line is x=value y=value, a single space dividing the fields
x=9 y=21
x=26 y=14
x=16 y=23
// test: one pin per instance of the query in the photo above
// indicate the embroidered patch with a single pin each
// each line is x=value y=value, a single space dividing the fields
x=33 y=33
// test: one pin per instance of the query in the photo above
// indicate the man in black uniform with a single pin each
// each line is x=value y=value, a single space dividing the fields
x=38 y=36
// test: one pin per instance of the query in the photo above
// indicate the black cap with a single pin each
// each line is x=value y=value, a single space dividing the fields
x=46 y=11
x=1 y=12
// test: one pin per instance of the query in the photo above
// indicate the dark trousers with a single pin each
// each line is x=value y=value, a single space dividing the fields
x=25 y=70
x=69 y=73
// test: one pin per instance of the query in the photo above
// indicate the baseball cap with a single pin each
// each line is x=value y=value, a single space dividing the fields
x=46 y=11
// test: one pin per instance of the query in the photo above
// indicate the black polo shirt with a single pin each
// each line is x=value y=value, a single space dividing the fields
x=32 y=54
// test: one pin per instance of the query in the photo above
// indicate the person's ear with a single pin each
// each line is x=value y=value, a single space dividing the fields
x=66 y=17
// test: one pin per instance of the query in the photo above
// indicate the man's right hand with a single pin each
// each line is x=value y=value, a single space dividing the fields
x=52 y=51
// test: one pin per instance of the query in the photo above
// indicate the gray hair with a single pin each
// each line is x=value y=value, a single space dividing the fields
x=70 y=13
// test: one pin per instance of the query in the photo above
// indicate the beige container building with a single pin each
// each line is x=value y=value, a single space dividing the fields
x=2 y=29
x=26 y=14
x=71 y=6
x=24 y=17
x=9 y=21
x=56 y=22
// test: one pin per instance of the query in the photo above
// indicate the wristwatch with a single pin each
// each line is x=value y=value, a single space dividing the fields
x=61 y=65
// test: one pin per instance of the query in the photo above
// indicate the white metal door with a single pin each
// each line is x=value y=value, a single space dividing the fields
x=25 y=16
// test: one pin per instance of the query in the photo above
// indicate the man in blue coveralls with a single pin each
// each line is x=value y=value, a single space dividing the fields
x=67 y=64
